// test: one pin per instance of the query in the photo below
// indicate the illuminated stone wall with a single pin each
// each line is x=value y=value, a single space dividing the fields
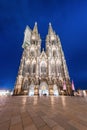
x=36 y=67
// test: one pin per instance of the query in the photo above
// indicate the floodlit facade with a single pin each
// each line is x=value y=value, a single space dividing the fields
x=41 y=72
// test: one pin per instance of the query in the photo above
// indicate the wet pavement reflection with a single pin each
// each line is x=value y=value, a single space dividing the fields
x=43 y=113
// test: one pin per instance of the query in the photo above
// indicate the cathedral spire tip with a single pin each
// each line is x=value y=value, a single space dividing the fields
x=49 y=23
x=35 y=29
x=43 y=49
x=50 y=29
x=36 y=23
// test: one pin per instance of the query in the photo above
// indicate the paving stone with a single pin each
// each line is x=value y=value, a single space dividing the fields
x=38 y=122
x=24 y=114
x=43 y=113
x=49 y=122
x=30 y=127
x=57 y=127
x=16 y=127
x=78 y=125
x=27 y=121
x=45 y=128
x=4 y=125
x=15 y=120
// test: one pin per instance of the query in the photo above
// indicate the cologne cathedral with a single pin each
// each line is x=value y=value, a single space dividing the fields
x=42 y=72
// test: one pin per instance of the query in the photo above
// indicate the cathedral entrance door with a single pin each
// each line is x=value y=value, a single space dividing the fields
x=31 y=90
x=43 y=90
x=55 y=90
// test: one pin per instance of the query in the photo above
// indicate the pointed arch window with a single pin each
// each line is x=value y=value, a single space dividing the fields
x=32 y=53
x=52 y=67
x=53 y=42
x=29 y=68
x=43 y=67
x=54 y=53
x=34 y=68
x=25 y=85
x=58 y=67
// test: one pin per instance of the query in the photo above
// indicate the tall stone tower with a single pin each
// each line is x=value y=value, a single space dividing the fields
x=41 y=72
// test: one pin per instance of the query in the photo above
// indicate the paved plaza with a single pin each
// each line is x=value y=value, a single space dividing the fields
x=43 y=113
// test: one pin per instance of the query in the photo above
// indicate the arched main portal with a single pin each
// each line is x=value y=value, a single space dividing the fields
x=31 y=90
x=43 y=89
x=55 y=90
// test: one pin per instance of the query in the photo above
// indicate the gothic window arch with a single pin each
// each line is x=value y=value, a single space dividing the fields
x=50 y=52
x=34 y=67
x=43 y=67
x=25 y=69
x=54 y=53
x=25 y=84
x=58 y=67
x=32 y=52
x=29 y=68
x=52 y=66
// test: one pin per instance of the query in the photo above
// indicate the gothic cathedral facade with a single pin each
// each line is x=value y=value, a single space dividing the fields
x=41 y=72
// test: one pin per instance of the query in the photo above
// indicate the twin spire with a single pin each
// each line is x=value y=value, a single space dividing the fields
x=35 y=35
x=35 y=29
x=50 y=29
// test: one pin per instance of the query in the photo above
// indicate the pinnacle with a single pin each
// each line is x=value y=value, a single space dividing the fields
x=27 y=28
x=50 y=29
x=49 y=23
x=35 y=29
x=43 y=49
x=36 y=23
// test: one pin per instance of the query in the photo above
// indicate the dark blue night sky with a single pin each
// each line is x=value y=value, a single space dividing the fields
x=69 y=20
